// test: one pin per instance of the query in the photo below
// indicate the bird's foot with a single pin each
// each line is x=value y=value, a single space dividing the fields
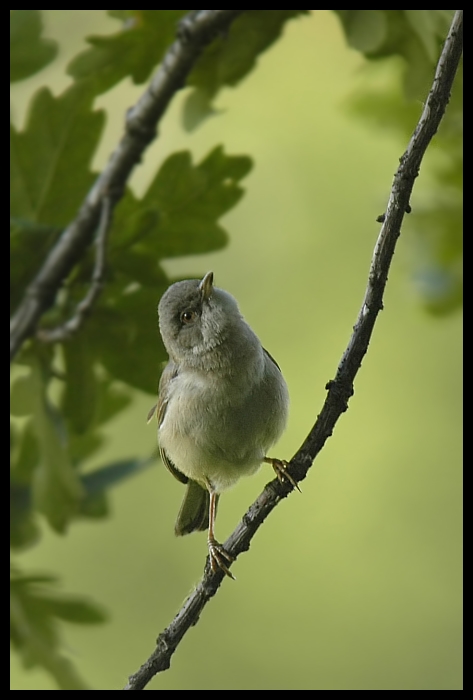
x=280 y=467
x=220 y=558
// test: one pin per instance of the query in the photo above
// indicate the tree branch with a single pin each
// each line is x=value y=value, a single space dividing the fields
x=195 y=31
x=67 y=329
x=341 y=388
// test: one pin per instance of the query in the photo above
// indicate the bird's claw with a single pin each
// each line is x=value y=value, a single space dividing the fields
x=280 y=467
x=219 y=558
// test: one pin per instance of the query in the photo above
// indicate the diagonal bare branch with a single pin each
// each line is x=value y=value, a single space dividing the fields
x=72 y=325
x=341 y=388
x=196 y=30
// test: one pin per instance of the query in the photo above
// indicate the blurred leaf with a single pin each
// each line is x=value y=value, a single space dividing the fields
x=139 y=222
x=56 y=489
x=438 y=265
x=385 y=109
x=405 y=27
x=34 y=610
x=22 y=580
x=84 y=445
x=441 y=289
x=24 y=530
x=112 y=400
x=197 y=107
x=80 y=612
x=131 y=326
x=436 y=224
x=79 y=398
x=95 y=506
x=22 y=399
x=49 y=161
x=425 y=25
x=142 y=267
x=29 y=244
x=28 y=51
x=366 y=30
x=121 y=14
x=112 y=474
x=24 y=458
x=416 y=35
x=420 y=73
x=135 y=50
x=231 y=57
x=97 y=483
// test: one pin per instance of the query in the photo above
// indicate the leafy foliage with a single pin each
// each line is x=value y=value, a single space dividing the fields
x=177 y=216
x=35 y=608
x=416 y=35
x=179 y=213
x=49 y=164
x=56 y=488
x=230 y=58
x=49 y=175
x=413 y=34
x=183 y=203
x=133 y=51
x=145 y=34
x=28 y=51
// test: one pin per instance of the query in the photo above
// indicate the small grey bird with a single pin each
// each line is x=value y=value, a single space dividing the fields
x=222 y=402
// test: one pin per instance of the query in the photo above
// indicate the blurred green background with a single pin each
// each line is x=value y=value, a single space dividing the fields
x=356 y=583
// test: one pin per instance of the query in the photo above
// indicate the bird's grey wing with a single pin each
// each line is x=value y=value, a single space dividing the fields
x=271 y=358
x=169 y=373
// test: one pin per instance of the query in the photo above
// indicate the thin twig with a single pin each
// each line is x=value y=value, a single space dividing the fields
x=341 y=388
x=196 y=30
x=84 y=307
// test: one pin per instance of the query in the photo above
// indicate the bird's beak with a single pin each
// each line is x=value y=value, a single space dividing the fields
x=207 y=285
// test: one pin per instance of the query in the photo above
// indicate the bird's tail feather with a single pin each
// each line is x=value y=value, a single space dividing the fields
x=194 y=512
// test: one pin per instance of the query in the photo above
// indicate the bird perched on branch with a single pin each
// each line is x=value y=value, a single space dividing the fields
x=222 y=402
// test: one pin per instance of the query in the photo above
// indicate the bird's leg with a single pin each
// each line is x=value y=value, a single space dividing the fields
x=219 y=557
x=280 y=467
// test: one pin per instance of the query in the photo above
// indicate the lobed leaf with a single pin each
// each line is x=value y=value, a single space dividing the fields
x=178 y=214
x=231 y=57
x=29 y=52
x=134 y=50
x=49 y=159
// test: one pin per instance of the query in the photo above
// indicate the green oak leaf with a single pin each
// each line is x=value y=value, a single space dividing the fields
x=134 y=50
x=49 y=159
x=29 y=52
x=230 y=57
x=178 y=214
x=126 y=338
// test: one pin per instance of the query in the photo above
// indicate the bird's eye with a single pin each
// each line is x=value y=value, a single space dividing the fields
x=188 y=316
